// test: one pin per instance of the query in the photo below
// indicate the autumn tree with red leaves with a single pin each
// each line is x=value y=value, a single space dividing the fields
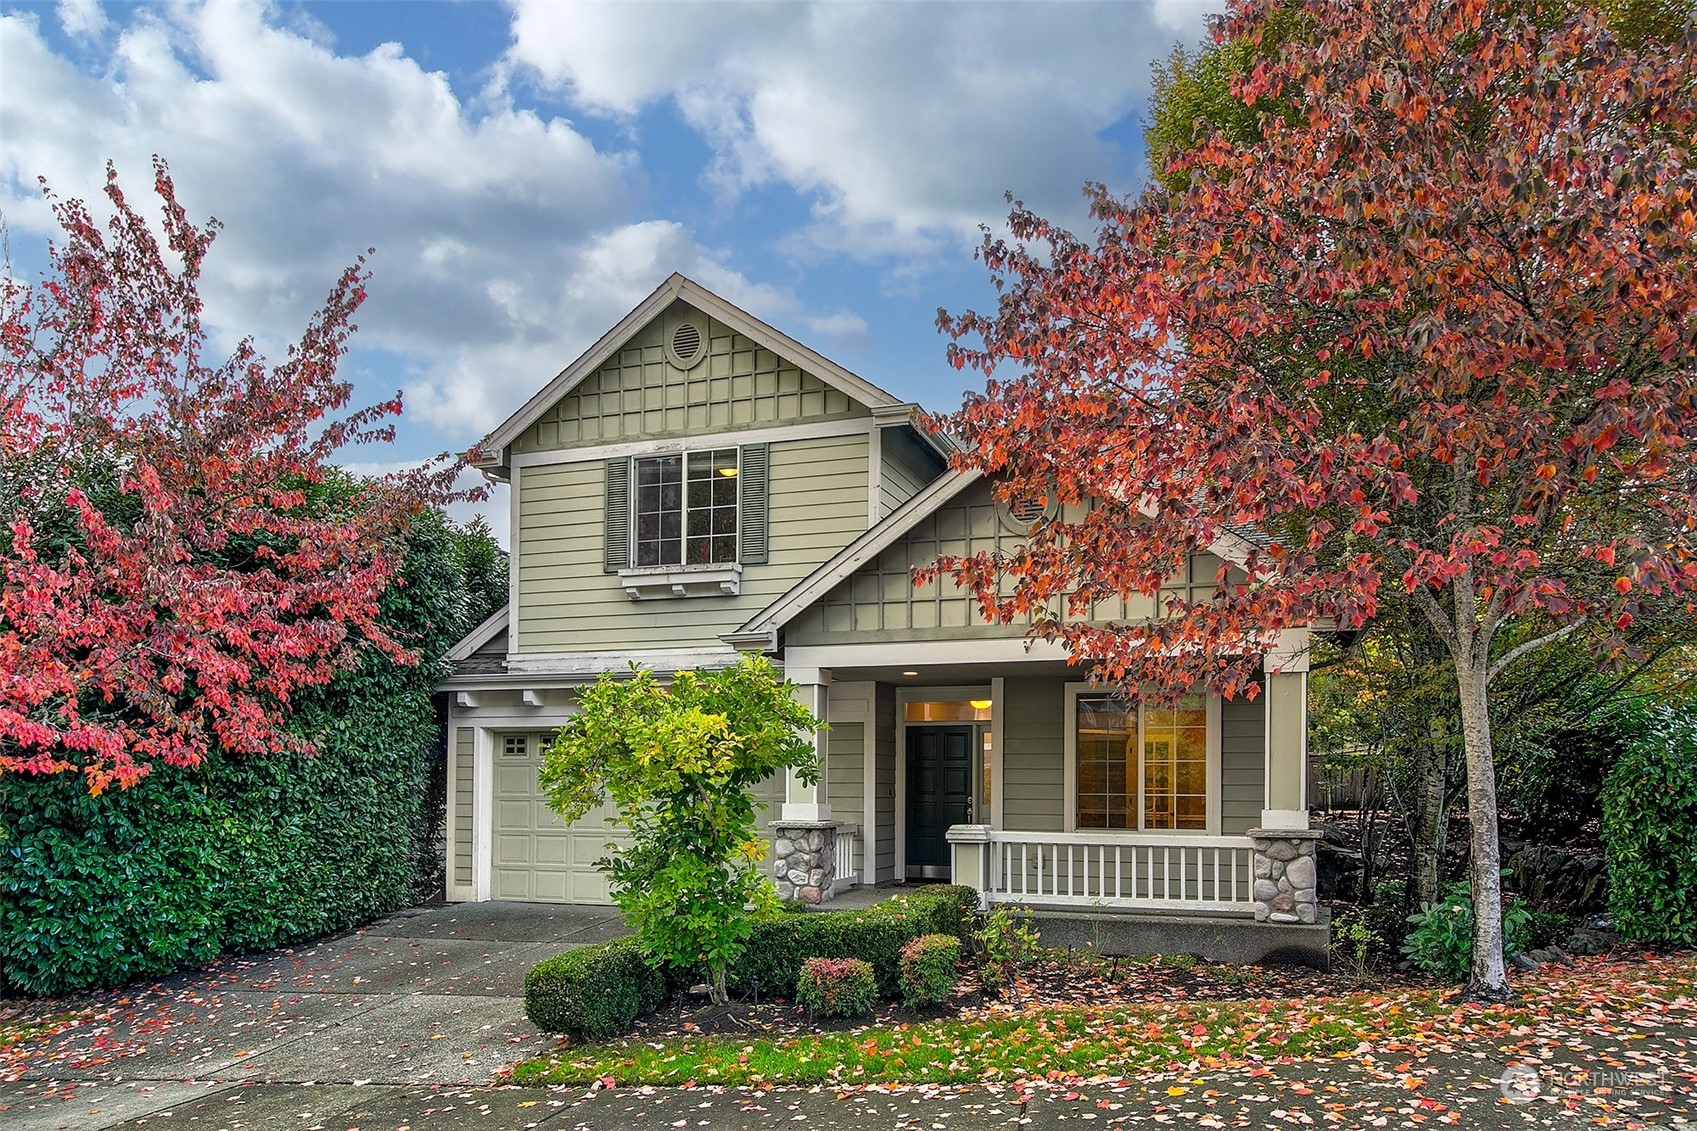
x=1432 y=331
x=168 y=585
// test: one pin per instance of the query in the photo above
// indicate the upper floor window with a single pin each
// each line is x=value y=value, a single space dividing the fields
x=686 y=508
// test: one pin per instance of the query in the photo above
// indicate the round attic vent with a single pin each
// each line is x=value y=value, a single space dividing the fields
x=686 y=344
x=1027 y=510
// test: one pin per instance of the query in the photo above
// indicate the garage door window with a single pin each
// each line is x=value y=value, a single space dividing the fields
x=515 y=746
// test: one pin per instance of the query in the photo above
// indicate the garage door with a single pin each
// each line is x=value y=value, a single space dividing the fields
x=538 y=858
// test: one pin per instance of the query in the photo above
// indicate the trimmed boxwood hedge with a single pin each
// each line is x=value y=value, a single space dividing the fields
x=597 y=991
x=772 y=959
x=593 y=991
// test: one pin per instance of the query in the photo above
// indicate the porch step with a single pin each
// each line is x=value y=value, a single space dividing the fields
x=1218 y=938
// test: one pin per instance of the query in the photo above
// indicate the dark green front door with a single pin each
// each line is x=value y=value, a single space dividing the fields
x=939 y=794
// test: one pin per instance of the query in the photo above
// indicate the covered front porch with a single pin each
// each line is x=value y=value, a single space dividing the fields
x=1013 y=775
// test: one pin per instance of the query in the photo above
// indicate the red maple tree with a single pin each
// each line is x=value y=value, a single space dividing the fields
x=172 y=573
x=1435 y=328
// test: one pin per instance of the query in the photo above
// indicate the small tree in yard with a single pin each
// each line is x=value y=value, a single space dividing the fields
x=677 y=763
x=1431 y=330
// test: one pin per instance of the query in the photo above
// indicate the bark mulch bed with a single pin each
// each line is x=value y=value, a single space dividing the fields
x=1057 y=979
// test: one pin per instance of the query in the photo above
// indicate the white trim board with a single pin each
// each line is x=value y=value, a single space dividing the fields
x=674 y=288
x=706 y=441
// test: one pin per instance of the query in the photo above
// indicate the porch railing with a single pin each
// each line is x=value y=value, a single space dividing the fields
x=848 y=839
x=1126 y=870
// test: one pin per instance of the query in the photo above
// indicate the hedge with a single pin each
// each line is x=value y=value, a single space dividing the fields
x=597 y=991
x=771 y=960
x=593 y=991
x=1650 y=831
x=242 y=853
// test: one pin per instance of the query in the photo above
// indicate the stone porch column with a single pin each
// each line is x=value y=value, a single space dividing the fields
x=804 y=837
x=1286 y=883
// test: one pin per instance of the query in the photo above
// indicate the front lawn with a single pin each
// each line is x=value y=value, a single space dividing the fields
x=1072 y=1041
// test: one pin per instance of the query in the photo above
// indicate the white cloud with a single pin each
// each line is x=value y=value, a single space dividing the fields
x=81 y=19
x=504 y=238
x=903 y=122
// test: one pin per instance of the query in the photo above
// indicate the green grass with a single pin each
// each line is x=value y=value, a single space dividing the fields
x=1069 y=1041
x=17 y=1032
x=1080 y=1042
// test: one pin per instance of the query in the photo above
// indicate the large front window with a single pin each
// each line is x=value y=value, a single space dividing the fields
x=1141 y=767
x=686 y=509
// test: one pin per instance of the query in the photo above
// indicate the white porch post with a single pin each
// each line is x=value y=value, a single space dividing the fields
x=804 y=802
x=1286 y=738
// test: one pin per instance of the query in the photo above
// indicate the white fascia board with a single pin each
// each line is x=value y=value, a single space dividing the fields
x=817 y=430
x=591 y=664
x=674 y=288
x=918 y=653
x=479 y=636
x=857 y=553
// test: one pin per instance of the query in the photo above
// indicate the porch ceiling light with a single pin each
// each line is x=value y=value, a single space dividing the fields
x=910 y=673
x=980 y=704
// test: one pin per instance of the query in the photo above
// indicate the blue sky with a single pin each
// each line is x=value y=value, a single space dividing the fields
x=529 y=171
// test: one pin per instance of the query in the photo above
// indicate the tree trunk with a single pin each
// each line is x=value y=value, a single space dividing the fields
x=1431 y=812
x=716 y=992
x=1488 y=979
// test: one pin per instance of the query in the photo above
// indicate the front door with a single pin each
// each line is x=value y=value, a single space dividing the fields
x=939 y=794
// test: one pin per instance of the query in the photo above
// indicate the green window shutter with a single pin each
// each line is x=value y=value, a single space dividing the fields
x=753 y=482
x=616 y=522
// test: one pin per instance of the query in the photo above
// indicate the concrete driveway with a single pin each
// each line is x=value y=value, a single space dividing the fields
x=384 y=1025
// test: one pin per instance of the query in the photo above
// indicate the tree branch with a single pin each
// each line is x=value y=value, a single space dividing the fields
x=1520 y=650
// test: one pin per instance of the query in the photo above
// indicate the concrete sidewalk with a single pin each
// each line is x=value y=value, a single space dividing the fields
x=425 y=999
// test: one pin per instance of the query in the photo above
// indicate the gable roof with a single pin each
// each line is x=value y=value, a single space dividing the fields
x=674 y=288
x=1234 y=545
x=492 y=626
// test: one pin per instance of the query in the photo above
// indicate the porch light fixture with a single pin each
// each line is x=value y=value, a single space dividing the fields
x=980 y=704
x=910 y=673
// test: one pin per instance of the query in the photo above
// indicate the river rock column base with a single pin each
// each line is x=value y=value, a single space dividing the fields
x=804 y=860
x=1286 y=883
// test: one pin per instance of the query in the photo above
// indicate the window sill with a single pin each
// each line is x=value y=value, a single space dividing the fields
x=660 y=583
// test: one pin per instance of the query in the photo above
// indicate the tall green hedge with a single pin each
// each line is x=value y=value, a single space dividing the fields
x=244 y=853
x=1650 y=831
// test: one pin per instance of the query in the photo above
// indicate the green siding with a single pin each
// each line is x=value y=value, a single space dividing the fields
x=879 y=602
x=1034 y=755
x=460 y=834
x=845 y=771
x=567 y=603
x=905 y=467
x=639 y=394
x=1242 y=764
x=884 y=728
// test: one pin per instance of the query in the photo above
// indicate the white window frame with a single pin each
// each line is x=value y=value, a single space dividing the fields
x=1070 y=768
x=682 y=455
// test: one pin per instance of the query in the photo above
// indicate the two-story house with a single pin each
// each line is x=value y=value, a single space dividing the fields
x=699 y=484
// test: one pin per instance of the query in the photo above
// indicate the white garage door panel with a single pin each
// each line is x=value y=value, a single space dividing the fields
x=538 y=858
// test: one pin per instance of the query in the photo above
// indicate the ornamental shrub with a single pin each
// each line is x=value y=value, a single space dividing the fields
x=1650 y=831
x=776 y=948
x=837 y=987
x=1441 y=942
x=928 y=973
x=593 y=991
